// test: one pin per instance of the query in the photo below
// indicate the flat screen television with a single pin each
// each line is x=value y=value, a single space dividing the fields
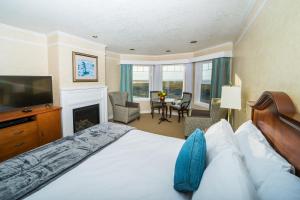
x=24 y=91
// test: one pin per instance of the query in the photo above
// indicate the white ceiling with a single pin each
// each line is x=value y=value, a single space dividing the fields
x=148 y=26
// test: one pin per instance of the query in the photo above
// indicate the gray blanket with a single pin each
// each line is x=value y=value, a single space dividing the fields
x=30 y=171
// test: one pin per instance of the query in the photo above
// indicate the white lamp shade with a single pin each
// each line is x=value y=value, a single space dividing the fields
x=231 y=97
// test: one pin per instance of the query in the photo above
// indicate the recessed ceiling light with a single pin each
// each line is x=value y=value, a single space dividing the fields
x=193 y=41
x=95 y=36
x=168 y=51
x=131 y=49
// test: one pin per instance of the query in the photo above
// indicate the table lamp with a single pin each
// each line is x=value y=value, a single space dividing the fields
x=231 y=99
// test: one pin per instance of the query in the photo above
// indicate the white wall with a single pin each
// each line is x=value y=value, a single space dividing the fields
x=113 y=75
x=22 y=52
x=266 y=58
x=60 y=48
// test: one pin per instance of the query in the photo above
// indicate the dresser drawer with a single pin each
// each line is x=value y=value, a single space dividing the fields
x=18 y=139
x=16 y=147
x=18 y=131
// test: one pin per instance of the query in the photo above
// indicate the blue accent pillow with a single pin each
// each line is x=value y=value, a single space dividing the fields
x=190 y=163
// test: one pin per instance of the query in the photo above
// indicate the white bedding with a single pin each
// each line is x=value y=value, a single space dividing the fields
x=139 y=165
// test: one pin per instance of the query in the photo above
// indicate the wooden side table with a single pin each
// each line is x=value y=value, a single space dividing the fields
x=164 y=113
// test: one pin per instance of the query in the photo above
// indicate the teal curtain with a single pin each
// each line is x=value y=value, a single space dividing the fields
x=126 y=80
x=220 y=75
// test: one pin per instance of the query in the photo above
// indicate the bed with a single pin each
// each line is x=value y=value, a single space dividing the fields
x=123 y=171
x=134 y=164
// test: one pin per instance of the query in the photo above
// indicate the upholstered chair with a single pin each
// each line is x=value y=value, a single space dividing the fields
x=182 y=105
x=155 y=102
x=123 y=110
x=216 y=113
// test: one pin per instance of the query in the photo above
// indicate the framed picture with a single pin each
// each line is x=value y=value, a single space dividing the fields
x=85 y=67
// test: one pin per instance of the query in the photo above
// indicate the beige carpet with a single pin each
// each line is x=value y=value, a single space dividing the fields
x=172 y=129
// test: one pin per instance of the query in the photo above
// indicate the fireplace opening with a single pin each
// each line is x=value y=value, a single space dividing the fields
x=85 y=117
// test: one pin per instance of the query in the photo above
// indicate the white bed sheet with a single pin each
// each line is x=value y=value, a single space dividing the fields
x=140 y=165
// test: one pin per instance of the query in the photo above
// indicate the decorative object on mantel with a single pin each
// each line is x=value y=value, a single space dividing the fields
x=85 y=67
x=162 y=95
x=231 y=99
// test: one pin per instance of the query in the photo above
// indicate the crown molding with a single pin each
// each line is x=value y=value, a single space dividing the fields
x=179 y=61
x=39 y=44
x=23 y=30
x=61 y=33
x=230 y=43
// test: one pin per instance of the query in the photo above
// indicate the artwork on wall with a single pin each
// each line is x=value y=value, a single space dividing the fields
x=85 y=67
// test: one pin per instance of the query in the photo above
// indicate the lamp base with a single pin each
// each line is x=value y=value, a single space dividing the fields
x=229 y=117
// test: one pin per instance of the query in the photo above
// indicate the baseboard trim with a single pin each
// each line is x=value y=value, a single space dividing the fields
x=145 y=111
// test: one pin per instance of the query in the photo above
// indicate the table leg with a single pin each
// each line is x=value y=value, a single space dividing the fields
x=164 y=112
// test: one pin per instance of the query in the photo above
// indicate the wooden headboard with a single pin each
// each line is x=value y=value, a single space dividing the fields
x=275 y=115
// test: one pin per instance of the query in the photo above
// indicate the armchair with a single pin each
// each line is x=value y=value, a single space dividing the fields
x=203 y=122
x=123 y=111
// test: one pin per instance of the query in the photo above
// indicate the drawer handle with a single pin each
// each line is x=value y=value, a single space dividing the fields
x=18 y=132
x=20 y=144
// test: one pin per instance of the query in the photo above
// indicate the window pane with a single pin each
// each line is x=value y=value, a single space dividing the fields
x=205 y=93
x=206 y=83
x=140 y=89
x=173 y=76
x=140 y=81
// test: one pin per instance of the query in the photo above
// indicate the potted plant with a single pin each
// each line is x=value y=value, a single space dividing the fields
x=162 y=95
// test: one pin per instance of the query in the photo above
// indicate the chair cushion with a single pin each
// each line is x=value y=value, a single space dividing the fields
x=216 y=112
x=119 y=99
x=190 y=163
x=177 y=107
x=133 y=111
x=191 y=123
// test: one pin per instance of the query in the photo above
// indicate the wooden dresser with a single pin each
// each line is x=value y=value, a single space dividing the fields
x=21 y=132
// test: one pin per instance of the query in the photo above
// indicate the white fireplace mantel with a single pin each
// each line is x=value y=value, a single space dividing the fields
x=76 y=97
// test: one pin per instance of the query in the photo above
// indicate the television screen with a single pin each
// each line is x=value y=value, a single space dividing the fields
x=24 y=91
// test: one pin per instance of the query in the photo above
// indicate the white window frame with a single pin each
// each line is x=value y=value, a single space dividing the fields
x=197 y=84
x=183 y=79
x=150 y=84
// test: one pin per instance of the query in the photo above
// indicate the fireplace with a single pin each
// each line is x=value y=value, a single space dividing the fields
x=85 y=117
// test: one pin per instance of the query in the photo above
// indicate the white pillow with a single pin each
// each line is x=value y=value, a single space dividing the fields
x=249 y=127
x=260 y=158
x=281 y=185
x=219 y=137
x=226 y=178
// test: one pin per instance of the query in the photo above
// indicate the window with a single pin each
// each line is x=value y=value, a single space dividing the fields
x=172 y=79
x=140 y=81
x=205 y=82
x=203 y=73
